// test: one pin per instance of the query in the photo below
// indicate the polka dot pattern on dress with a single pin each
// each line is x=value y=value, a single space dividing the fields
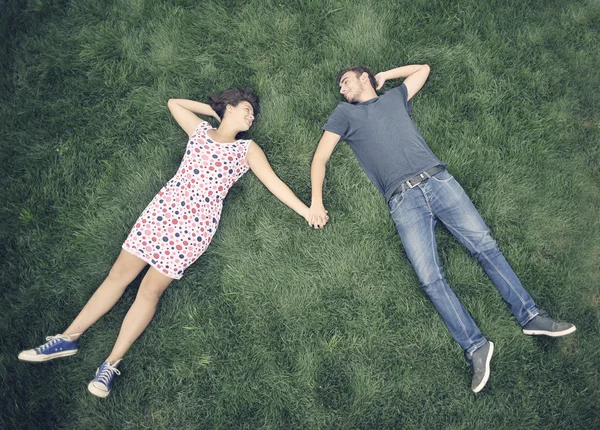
x=177 y=226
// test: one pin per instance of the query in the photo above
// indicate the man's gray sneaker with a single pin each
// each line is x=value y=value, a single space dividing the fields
x=543 y=324
x=480 y=360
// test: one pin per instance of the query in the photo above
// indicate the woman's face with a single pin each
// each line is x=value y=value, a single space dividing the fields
x=242 y=114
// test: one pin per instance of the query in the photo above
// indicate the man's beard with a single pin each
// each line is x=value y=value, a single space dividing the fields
x=353 y=97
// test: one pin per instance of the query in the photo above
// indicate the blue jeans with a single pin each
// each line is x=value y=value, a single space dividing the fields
x=416 y=212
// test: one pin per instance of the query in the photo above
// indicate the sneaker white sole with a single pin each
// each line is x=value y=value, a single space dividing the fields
x=96 y=391
x=486 y=375
x=36 y=358
x=550 y=333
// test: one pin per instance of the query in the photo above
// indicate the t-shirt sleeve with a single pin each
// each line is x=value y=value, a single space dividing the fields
x=338 y=122
x=402 y=92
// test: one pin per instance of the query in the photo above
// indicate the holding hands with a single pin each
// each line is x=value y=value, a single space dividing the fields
x=317 y=216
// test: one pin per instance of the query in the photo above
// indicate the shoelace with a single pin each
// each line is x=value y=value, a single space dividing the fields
x=51 y=341
x=107 y=373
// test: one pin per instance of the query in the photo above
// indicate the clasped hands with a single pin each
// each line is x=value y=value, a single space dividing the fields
x=317 y=216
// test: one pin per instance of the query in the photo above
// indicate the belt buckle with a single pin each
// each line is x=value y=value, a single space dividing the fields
x=421 y=178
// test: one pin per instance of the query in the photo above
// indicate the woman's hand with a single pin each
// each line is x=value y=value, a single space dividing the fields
x=317 y=216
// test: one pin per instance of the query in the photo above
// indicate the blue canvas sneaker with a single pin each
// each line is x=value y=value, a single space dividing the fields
x=103 y=381
x=55 y=347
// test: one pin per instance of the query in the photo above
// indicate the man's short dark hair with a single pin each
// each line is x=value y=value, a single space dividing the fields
x=358 y=70
x=233 y=96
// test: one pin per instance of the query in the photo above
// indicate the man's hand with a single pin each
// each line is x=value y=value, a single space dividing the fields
x=317 y=216
x=415 y=74
x=380 y=78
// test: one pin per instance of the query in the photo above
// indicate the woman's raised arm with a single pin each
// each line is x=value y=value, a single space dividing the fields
x=184 y=112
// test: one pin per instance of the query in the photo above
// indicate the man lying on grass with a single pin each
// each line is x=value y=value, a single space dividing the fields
x=420 y=191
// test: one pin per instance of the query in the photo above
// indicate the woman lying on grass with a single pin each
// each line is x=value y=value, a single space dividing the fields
x=177 y=226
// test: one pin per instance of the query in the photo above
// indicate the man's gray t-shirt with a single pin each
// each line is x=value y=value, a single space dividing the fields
x=382 y=135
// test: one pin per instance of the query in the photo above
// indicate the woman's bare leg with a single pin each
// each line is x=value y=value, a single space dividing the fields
x=125 y=269
x=141 y=312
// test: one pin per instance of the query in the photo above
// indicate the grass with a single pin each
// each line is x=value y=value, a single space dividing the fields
x=279 y=326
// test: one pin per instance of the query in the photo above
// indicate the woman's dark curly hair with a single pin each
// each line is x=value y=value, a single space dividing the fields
x=233 y=96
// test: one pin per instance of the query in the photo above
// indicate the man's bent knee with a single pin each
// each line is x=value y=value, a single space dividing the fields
x=434 y=286
x=486 y=243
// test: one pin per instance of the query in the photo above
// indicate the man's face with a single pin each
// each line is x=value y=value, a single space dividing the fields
x=351 y=87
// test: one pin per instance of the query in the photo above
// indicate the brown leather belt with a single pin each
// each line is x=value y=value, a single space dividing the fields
x=417 y=179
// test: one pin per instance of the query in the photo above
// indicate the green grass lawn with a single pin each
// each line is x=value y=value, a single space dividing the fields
x=278 y=326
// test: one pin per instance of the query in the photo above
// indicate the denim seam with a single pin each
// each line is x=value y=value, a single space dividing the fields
x=510 y=285
x=475 y=347
x=495 y=268
x=458 y=316
x=507 y=281
x=435 y=260
x=530 y=317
